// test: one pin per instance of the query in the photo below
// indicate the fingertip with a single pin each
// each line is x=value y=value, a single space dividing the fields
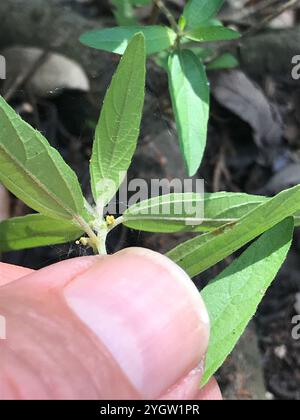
x=147 y=313
x=175 y=272
x=144 y=310
x=210 y=392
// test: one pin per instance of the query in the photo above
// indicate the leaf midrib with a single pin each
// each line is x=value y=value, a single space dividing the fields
x=37 y=182
x=118 y=125
x=190 y=250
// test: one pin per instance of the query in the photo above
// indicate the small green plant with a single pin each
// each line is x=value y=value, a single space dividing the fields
x=184 y=63
x=124 y=10
x=37 y=174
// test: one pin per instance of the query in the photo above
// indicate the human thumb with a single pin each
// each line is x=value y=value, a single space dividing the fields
x=148 y=314
x=129 y=325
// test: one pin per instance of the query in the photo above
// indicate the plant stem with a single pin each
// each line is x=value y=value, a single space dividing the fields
x=284 y=7
x=101 y=243
x=96 y=242
x=154 y=14
x=163 y=8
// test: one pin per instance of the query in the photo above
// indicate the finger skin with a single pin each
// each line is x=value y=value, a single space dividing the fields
x=210 y=392
x=53 y=351
x=49 y=353
x=189 y=388
x=9 y=273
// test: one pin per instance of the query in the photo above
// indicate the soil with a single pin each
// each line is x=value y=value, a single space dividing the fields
x=234 y=161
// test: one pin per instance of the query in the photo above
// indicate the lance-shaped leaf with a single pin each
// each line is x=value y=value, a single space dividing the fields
x=189 y=212
x=197 y=12
x=158 y=38
x=212 y=33
x=167 y=213
x=189 y=90
x=119 y=125
x=35 y=172
x=35 y=230
x=233 y=297
x=202 y=252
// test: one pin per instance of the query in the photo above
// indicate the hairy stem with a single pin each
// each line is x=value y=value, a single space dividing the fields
x=101 y=243
x=97 y=242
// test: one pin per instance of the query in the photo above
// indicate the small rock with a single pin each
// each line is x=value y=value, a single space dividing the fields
x=280 y=352
x=269 y=396
x=55 y=73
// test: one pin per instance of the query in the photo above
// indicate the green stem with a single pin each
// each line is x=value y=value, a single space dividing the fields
x=97 y=242
x=101 y=242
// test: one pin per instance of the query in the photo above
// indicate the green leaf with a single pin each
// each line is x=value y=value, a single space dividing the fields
x=213 y=22
x=182 y=212
x=140 y=2
x=212 y=33
x=182 y=23
x=189 y=90
x=197 y=12
x=225 y=61
x=233 y=297
x=233 y=206
x=202 y=252
x=167 y=213
x=35 y=172
x=202 y=53
x=159 y=214
x=35 y=230
x=158 y=38
x=123 y=12
x=118 y=128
